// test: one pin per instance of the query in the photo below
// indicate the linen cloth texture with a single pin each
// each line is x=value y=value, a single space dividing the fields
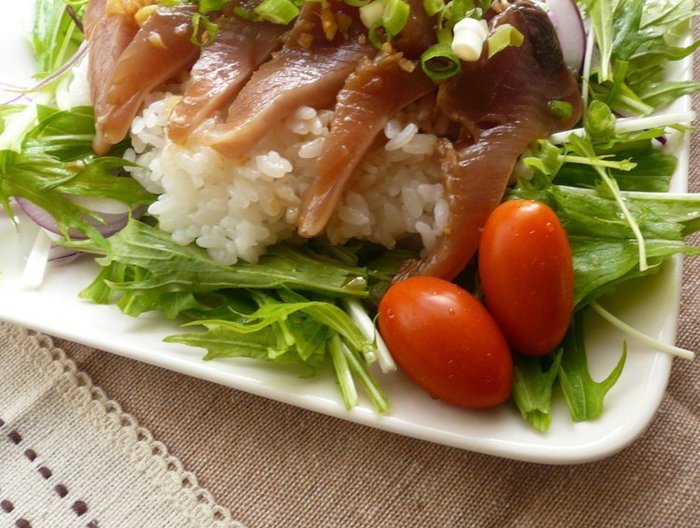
x=70 y=457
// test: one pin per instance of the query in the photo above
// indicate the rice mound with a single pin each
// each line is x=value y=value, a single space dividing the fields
x=236 y=208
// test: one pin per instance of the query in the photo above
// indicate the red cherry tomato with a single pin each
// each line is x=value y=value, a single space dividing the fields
x=527 y=275
x=446 y=342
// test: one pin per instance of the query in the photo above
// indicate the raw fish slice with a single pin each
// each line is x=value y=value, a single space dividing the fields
x=377 y=90
x=93 y=14
x=222 y=69
x=419 y=32
x=308 y=70
x=502 y=105
x=108 y=36
x=161 y=50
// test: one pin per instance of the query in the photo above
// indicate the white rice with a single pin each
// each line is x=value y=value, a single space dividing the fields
x=236 y=208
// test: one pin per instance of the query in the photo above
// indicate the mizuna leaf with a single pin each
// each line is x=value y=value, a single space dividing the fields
x=532 y=389
x=584 y=396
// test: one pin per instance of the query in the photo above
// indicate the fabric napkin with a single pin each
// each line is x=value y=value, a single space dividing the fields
x=70 y=457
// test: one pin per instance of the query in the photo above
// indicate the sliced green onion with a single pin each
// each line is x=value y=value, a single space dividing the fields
x=207 y=6
x=444 y=36
x=356 y=3
x=277 y=11
x=433 y=7
x=439 y=62
x=372 y=34
x=372 y=13
x=561 y=109
x=396 y=13
x=456 y=10
x=504 y=36
x=244 y=13
x=211 y=29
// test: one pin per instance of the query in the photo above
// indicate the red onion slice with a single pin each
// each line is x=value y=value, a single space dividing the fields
x=82 y=51
x=568 y=22
x=62 y=255
x=113 y=221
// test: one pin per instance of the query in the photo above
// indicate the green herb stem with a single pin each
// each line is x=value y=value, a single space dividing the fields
x=380 y=401
x=585 y=147
x=632 y=124
x=587 y=66
x=624 y=165
x=342 y=373
x=366 y=325
x=636 y=334
x=634 y=226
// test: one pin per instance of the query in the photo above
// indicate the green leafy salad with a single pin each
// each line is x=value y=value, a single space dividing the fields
x=307 y=304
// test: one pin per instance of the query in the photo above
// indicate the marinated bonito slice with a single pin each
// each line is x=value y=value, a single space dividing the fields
x=377 y=90
x=161 y=50
x=419 y=32
x=310 y=69
x=108 y=35
x=222 y=70
x=502 y=105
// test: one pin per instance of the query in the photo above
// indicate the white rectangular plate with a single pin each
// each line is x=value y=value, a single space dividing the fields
x=650 y=305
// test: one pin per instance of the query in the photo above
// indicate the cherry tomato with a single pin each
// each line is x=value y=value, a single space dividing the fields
x=446 y=342
x=527 y=275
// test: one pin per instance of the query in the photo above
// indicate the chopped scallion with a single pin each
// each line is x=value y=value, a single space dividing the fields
x=433 y=7
x=277 y=11
x=204 y=31
x=207 y=6
x=374 y=39
x=504 y=36
x=372 y=13
x=244 y=13
x=395 y=16
x=439 y=62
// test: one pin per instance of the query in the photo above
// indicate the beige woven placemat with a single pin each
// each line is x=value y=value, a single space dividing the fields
x=70 y=457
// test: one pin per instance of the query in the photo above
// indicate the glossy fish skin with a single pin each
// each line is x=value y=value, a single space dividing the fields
x=162 y=49
x=419 y=32
x=108 y=37
x=501 y=105
x=378 y=89
x=222 y=70
x=94 y=12
x=308 y=70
